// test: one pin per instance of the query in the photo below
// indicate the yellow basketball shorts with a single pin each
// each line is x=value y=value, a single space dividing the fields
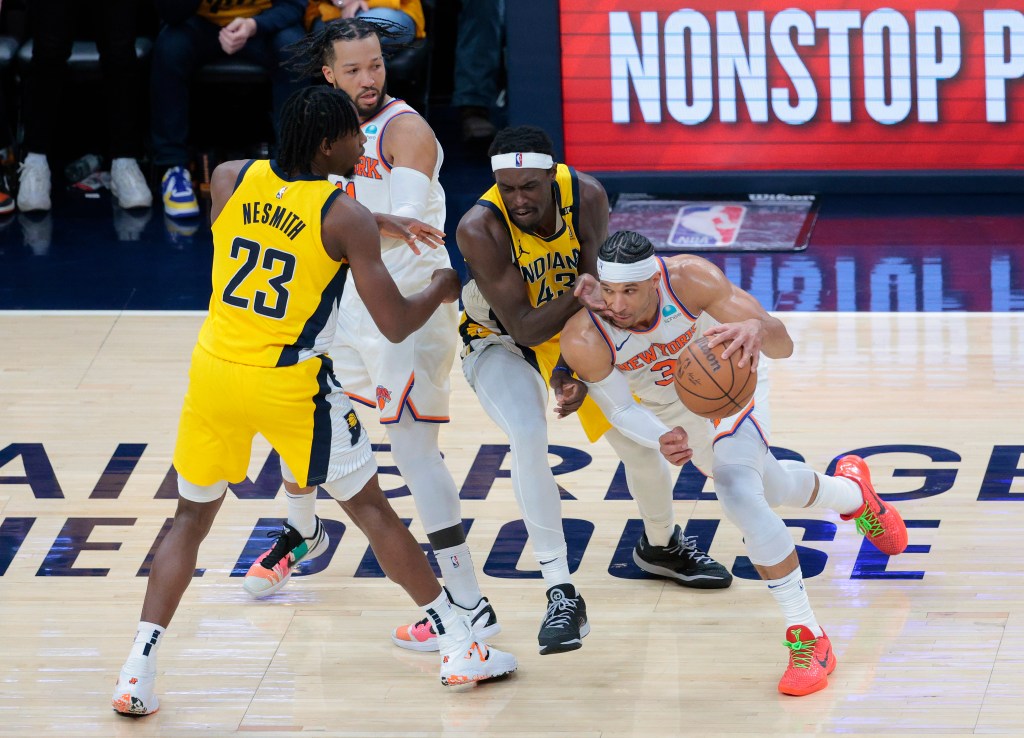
x=301 y=410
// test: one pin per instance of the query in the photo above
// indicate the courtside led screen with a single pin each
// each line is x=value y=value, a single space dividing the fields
x=664 y=85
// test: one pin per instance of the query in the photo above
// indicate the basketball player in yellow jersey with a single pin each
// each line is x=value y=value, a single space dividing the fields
x=525 y=242
x=284 y=241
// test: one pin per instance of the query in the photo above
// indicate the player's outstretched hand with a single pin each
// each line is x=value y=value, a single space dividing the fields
x=451 y=285
x=409 y=230
x=675 y=446
x=569 y=393
x=744 y=338
x=588 y=292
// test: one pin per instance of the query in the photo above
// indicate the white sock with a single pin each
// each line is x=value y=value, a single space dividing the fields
x=659 y=534
x=555 y=570
x=452 y=629
x=456 y=564
x=796 y=608
x=39 y=159
x=839 y=494
x=147 y=641
x=302 y=512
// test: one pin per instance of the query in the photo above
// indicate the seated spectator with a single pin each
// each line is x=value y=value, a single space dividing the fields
x=478 y=52
x=198 y=32
x=53 y=33
x=404 y=18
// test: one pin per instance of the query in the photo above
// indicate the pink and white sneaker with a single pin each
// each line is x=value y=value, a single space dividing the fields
x=420 y=636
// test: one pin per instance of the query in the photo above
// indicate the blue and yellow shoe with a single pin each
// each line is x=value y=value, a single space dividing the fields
x=179 y=197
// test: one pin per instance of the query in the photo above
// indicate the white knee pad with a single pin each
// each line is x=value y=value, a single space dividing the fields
x=741 y=493
x=200 y=493
x=788 y=482
x=415 y=450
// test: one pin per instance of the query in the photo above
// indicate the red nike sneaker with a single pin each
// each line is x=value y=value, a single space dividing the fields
x=811 y=660
x=877 y=520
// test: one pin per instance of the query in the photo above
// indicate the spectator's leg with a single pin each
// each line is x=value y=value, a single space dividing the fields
x=122 y=84
x=53 y=28
x=396 y=22
x=178 y=52
x=477 y=64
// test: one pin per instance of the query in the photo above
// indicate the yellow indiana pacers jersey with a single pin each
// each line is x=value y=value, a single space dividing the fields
x=223 y=12
x=275 y=289
x=549 y=267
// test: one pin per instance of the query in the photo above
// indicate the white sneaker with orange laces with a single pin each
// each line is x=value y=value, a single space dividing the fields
x=477 y=663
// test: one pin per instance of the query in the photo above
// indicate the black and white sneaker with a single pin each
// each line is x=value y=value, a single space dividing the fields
x=682 y=561
x=565 y=622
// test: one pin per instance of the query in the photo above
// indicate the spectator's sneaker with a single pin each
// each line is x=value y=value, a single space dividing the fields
x=476 y=124
x=420 y=636
x=682 y=561
x=129 y=186
x=565 y=622
x=6 y=198
x=179 y=197
x=475 y=661
x=272 y=569
x=134 y=693
x=876 y=520
x=33 y=186
x=811 y=660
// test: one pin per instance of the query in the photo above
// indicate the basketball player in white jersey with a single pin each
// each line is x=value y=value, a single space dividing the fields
x=407 y=382
x=652 y=309
x=526 y=242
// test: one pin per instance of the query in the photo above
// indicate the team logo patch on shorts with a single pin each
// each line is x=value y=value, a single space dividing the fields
x=354 y=429
x=383 y=396
x=707 y=225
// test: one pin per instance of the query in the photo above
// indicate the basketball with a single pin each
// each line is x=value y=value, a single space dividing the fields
x=710 y=386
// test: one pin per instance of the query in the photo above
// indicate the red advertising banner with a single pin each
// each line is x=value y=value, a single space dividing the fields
x=662 y=85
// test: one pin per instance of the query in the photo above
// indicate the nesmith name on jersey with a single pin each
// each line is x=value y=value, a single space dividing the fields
x=275 y=216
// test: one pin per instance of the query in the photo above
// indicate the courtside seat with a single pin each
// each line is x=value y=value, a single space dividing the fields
x=84 y=63
x=409 y=68
x=232 y=71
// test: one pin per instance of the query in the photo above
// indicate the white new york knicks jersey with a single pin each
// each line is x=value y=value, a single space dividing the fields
x=371 y=183
x=648 y=359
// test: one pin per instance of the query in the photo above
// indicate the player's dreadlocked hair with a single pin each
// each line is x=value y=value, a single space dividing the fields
x=625 y=247
x=316 y=50
x=521 y=138
x=308 y=117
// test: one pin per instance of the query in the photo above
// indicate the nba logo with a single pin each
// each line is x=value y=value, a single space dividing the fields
x=706 y=225
x=519 y=160
x=455 y=562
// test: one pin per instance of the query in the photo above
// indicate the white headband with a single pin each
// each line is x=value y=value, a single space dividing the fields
x=524 y=160
x=638 y=271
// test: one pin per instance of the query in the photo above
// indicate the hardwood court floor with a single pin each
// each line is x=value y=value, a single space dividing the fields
x=930 y=642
